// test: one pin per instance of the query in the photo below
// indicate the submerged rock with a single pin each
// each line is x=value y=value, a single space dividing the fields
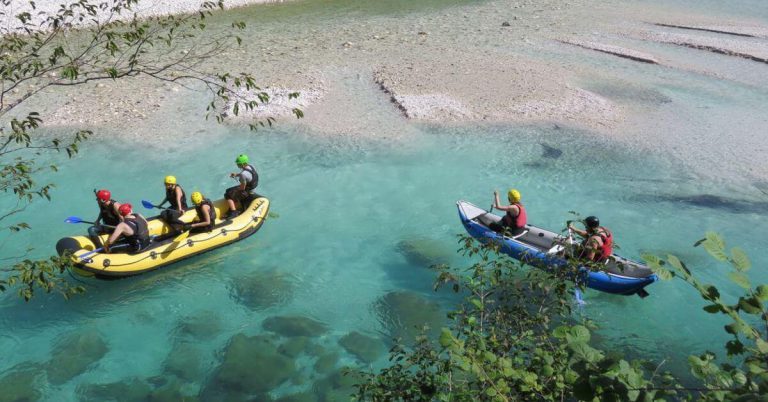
x=404 y=314
x=204 y=325
x=366 y=348
x=185 y=362
x=74 y=354
x=251 y=366
x=424 y=252
x=550 y=152
x=294 y=346
x=20 y=383
x=326 y=363
x=262 y=290
x=302 y=397
x=295 y=326
x=336 y=387
x=134 y=390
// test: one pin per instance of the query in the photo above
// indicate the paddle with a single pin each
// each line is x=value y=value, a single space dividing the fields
x=98 y=250
x=149 y=205
x=75 y=219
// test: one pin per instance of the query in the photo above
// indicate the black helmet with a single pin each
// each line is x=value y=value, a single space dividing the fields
x=592 y=222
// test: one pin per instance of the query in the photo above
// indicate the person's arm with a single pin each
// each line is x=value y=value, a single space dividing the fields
x=505 y=208
x=178 y=199
x=116 y=207
x=207 y=221
x=496 y=203
x=99 y=218
x=242 y=182
x=582 y=233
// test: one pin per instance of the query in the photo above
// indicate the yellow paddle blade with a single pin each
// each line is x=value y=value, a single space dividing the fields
x=181 y=237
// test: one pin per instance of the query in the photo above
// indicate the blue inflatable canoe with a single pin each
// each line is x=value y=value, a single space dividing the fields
x=542 y=249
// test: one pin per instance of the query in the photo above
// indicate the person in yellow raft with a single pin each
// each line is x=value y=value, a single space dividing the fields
x=514 y=219
x=134 y=228
x=206 y=214
x=174 y=195
x=247 y=179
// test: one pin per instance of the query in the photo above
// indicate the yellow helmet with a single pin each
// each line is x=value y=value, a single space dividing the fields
x=197 y=198
x=513 y=195
x=170 y=180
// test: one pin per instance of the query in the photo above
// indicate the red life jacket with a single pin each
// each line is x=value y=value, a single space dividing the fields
x=519 y=221
x=607 y=248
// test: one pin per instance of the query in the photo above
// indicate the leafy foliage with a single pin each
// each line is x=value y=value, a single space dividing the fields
x=513 y=338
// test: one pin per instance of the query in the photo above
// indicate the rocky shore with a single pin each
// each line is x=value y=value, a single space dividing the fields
x=497 y=61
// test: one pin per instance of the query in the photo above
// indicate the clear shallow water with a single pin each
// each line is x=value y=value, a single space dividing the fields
x=358 y=220
x=336 y=250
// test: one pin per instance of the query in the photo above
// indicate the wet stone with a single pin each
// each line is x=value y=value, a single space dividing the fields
x=19 y=383
x=173 y=391
x=185 y=362
x=74 y=354
x=366 y=348
x=134 y=390
x=326 y=363
x=405 y=313
x=262 y=290
x=204 y=325
x=424 y=252
x=295 y=326
x=302 y=397
x=251 y=366
x=294 y=346
x=336 y=387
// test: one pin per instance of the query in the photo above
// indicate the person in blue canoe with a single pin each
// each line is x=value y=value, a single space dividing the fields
x=598 y=241
x=514 y=220
x=248 y=180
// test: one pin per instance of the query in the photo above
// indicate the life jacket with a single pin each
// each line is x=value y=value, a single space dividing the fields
x=516 y=222
x=108 y=214
x=140 y=237
x=211 y=213
x=606 y=249
x=251 y=184
x=170 y=195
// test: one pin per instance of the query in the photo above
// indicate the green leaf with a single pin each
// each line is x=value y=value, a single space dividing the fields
x=560 y=332
x=477 y=303
x=734 y=347
x=663 y=273
x=491 y=392
x=579 y=333
x=740 y=279
x=740 y=260
x=750 y=305
x=675 y=262
x=716 y=240
x=762 y=345
x=446 y=338
x=585 y=352
x=761 y=292
x=715 y=251
x=713 y=308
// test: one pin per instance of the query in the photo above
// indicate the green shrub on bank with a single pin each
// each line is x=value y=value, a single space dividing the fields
x=513 y=338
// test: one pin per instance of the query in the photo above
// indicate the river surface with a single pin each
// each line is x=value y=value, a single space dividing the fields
x=356 y=222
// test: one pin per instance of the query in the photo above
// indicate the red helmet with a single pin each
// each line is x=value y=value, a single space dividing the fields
x=104 y=195
x=125 y=209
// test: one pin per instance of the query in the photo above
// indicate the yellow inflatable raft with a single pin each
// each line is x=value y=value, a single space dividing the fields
x=167 y=246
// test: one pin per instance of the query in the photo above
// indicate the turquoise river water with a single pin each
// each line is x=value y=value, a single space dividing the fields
x=341 y=266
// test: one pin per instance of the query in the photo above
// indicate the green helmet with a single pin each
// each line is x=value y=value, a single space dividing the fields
x=242 y=159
